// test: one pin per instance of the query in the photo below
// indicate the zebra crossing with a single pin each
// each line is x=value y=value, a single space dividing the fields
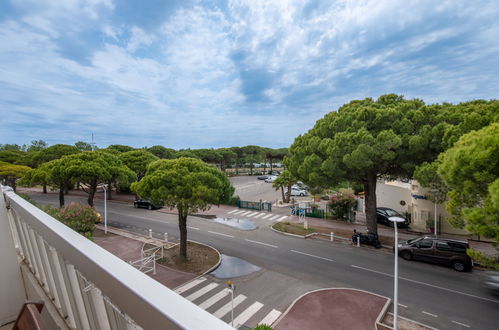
x=214 y=298
x=257 y=215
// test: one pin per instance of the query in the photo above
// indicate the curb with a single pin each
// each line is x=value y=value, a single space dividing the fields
x=287 y=234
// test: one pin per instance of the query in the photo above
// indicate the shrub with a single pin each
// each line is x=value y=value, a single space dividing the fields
x=341 y=203
x=483 y=259
x=263 y=327
x=79 y=217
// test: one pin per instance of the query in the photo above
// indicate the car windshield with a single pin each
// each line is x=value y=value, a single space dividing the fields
x=414 y=240
x=391 y=213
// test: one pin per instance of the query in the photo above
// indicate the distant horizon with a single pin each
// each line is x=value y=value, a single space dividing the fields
x=220 y=73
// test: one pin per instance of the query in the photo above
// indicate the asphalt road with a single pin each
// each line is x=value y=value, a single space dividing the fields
x=430 y=294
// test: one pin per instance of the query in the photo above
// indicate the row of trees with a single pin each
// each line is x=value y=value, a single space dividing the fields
x=395 y=138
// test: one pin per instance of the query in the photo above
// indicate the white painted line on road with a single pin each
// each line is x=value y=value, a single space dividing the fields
x=268 y=215
x=271 y=317
x=214 y=232
x=244 y=213
x=461 y=324
x=266 y=244
x=432 y=315
x=259 y=215
x=189 y=285
x=311 y=255
x=232 y=211
x=239 y=212
x=402 y=305
x=214 y=299
x=281 y=218
x=195 y=228
x=251 y=214
x=248 y=312
x=201 y=291
x=274 y=217
x=430 y=285
x=227 y=307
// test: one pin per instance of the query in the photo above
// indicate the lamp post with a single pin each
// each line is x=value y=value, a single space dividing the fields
x=395 y=221
x=231 y=288
x=435 y=228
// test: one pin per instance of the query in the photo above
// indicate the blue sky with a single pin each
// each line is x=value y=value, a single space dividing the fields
x=197 y=74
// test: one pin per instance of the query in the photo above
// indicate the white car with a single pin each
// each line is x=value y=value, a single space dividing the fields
x=297 y=192
x=271 y=178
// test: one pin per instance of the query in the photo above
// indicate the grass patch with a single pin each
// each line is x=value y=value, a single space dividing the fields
x=293 y=228
x=200 y=258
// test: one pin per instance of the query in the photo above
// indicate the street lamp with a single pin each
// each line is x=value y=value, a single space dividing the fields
x=395 y=221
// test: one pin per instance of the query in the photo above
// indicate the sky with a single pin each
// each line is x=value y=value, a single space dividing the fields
x=210 y=74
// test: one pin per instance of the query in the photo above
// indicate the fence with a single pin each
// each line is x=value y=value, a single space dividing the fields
x=259 y=206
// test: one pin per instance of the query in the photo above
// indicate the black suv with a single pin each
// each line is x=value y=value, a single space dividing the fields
x=444 y=251
x=384 y=214
x=145 y=204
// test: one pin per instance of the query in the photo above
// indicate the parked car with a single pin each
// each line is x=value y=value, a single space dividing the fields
x=262 y=177
x=145 y=203
x=274 y=173
x=384 y=214
x=444 y=251
x=303 y=186
x=271 y=178
x=296 y=192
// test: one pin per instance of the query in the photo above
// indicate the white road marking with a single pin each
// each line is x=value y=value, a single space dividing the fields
x=227 y=307
x=268 y=215
x=433 y=315
x=271 y=317
x=244 y=213
x=239 y=212
x=281 y=218
x=402 y=305
x=214 y=232
x=462 y=324
x=189 y=285
x=266 y=244
x=214 y=299
x=195 y=228
x=430 y=285
x=274 y=217
x=311 y=255
x=201 y=291
x=232 y=211
x=259 y=215
x=247 y=313
x=252 y=214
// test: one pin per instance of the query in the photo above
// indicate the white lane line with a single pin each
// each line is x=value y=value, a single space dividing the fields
x=268 y=215
x=201 y=291
x=432 y=315
x=274 y=217
x=239 y=212
x=430 y=285
x=402 y=305
x=281 y=218
x=461 y=324
x=244 y=213
x=214 y=299
x=189 y=285
x=252 y=214
x=195 y=228
x=232 y=211
x=248 y=312
x=214 y=232
x=259 y=215
x=271 y=317
x=266 y=244
x=227 y=307
x=311 y=255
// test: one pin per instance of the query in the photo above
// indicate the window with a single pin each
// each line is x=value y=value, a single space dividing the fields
x=458 y=247
x=424 y=244
x=443 y=246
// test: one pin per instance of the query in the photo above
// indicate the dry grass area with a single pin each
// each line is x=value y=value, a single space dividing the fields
x=200 y=258
x=294 y=228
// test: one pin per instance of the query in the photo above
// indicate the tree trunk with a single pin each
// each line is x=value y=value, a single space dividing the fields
x=44 y=188
x=61 y=194
x=289 y=192
x=271 y=165
x=283 y=197
x=182 y=226
x=91 y=194
x=237 y=166
x=370 y=195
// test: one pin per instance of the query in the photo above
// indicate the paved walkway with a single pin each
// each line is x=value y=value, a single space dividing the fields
x=331 y=309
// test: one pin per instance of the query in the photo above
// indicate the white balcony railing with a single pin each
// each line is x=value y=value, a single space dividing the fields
x=89 y=287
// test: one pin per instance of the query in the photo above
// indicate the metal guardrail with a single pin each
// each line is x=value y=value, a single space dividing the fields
x=90 y=287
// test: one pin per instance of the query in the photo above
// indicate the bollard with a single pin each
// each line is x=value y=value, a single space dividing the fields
x=166 y=237
x=150 y=233
x=358 y=240
x=305 y=224
x=332 y=236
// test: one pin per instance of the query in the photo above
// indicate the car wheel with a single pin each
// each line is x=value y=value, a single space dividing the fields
x=302 y=194
x=458 y=265
x=406 y=255
x=149 y=207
